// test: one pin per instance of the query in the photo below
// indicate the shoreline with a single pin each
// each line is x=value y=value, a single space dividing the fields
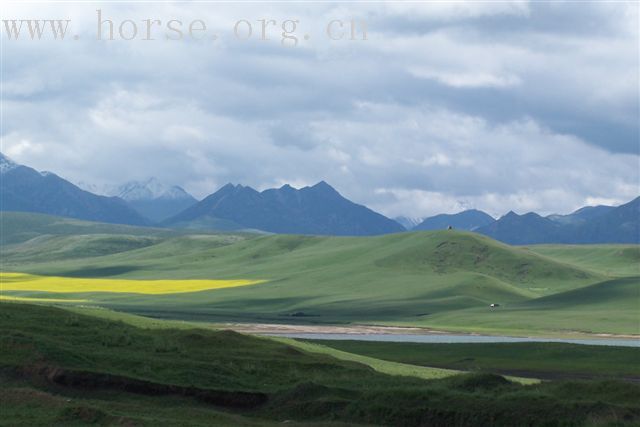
x=285 y=329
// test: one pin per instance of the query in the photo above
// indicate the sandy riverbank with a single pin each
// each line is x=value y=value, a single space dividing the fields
x=274 y=329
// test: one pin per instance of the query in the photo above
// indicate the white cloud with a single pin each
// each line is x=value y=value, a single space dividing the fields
x=455 y=11
x=495 y=105
x=466 y=80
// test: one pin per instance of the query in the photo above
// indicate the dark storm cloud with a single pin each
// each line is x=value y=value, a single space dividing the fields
x=492 y=105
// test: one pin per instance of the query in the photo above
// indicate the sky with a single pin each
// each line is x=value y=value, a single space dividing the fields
x=499 y=106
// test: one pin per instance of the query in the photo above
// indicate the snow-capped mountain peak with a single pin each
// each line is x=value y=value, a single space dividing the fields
x=6 y=164
x=151 y=189
x=99 y=189
x=408 y=222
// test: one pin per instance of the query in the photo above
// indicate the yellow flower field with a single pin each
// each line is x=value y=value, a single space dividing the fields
x=30 y=282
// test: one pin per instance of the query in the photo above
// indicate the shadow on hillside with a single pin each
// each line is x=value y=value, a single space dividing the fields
x=115 y=270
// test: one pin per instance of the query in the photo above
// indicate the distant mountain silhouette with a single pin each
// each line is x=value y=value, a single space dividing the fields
x=408 y=222
x=25 y=189
x=524 y=229
x=154 y=200
x=582 y=215
x=618 y=225
x=467 y=220
x=601 y=224
x=319 y=209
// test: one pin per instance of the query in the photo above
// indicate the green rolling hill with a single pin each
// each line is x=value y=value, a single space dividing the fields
x=19 y=227
x=613 y=260
x=441 y=279
x=94 y=367
x=624 y=292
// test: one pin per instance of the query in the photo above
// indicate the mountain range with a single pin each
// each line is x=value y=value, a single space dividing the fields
x=582 y=215
x=155 y=200
x=598 y=224
x=467 y=220
x=408 y=222
x=317 y=209
x=25 y=189
x=590 y=224
x=151 y=198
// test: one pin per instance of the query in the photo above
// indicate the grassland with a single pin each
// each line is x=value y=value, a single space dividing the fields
x=539 y=360
x=61 y=367
x=612 y=260
x=443 y=280
x=44 y=300
x=20 y=227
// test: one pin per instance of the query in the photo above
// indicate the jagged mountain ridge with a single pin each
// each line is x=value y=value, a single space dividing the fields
x=155 y=200
x=318 y=209
x=25 y=189
x=615 y=225
x=467 y=220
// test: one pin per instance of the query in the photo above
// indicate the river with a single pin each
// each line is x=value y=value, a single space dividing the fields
x=451 y=338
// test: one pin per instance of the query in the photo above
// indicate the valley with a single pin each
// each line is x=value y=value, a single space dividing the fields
x=114 y=324
x=444 y=280
x=89 y=366
x=431 y=220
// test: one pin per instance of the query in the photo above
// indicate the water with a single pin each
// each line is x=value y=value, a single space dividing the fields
x=445 y=338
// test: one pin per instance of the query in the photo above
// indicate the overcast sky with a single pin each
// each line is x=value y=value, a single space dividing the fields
x=524 y=106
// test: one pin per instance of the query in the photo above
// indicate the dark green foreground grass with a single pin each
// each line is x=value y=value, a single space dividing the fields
x=539 y=360
x=63 y=368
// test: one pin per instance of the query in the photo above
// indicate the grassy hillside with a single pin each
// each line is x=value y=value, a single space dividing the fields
x=541 y=360
x=611 y=306
x=443 y=279
x=18 y=227
x=33 y=237
x=49 y=248
x=65 y=368
x=614 y=260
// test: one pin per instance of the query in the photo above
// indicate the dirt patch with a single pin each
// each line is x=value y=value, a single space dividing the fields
x=545 y=375
x=274 y=328
x=263 y=328
x=23 y=395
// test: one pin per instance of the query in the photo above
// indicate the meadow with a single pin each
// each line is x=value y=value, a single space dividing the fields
x=443 y=280
x=121 y=328
x=87 y=366
x=546 y=360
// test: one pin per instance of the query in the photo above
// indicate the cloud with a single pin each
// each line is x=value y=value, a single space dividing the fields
x=517 y=165
x=466 y=80
x=455 y=11
x=494 y=105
